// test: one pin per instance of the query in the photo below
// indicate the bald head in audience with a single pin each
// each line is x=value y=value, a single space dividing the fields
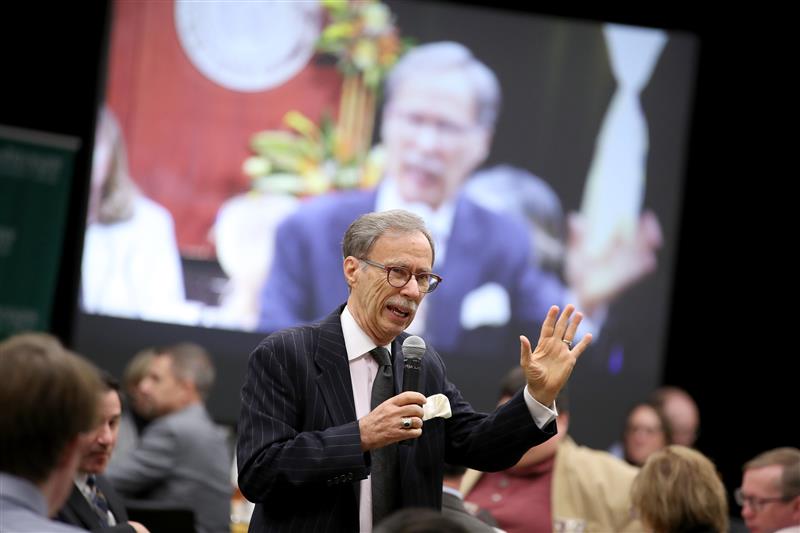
x=681 y=413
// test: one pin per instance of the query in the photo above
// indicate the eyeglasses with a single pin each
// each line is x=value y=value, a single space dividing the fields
x=756 y=504
x=647 y=430
x=398 y=276
x=446 y=130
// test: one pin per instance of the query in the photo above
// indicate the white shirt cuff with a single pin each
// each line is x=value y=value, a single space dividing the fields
x=541 y=414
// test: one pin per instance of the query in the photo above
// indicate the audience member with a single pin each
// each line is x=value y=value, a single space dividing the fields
x=93 y=503
x=182 y=458
x=681 y=413
x=770 y=492
x=557 y=485
x=133 y=421
x=678 y=490
x=646 y=431
x=419 y=520
x=453 y=505
x=49 y=400
x=527 y=197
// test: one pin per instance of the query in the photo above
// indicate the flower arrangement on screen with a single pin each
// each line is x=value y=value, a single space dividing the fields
x=309 y=158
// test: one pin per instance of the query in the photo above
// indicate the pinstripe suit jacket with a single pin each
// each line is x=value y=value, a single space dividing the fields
x=299 y=449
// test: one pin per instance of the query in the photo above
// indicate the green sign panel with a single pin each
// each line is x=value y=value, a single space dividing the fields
x=36 y=170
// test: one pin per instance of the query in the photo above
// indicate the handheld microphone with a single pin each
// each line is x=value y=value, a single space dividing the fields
x=413 y=350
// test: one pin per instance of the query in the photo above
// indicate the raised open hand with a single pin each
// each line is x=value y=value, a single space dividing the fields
x=599 y=277
x=548 y=367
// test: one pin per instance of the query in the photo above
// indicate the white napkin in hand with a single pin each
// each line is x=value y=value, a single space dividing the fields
x=437 y=405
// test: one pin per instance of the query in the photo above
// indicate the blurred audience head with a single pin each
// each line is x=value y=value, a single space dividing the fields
x=678 y=490
x=681 y=412
x=453 y=474
x=134 y=373
x=646 y=431
x=418 y=520
x=519 y=193
x=103 y=437
x=49 y=401
x=770 y=491
x=177 y=377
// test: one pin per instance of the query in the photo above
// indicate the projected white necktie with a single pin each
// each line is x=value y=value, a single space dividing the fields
x=614 y=190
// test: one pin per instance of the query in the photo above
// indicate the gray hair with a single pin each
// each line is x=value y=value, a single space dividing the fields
x=191 y=362
x=438 y=58
x=789 y=459
x=366 y=229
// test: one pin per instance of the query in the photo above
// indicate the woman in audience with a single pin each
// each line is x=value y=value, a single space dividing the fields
x=646 y=431
x=678 y=490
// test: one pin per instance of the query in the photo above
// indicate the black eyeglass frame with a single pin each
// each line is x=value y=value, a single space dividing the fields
x=433 y=279
x=757 y=504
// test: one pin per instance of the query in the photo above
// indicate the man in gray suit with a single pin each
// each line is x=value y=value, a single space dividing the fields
x=48 y=399
x=182 y=459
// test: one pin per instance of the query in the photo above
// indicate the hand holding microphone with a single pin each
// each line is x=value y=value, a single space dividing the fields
x=413 y=350
x=399 y=418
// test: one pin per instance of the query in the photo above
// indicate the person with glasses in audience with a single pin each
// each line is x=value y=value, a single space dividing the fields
x=322 y=413
x=770 y=492
x=441 y=106
x=646 y=432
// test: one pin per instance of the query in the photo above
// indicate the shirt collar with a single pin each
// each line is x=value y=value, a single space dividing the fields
x=356 y=341
x=80 y=482
x=23 y=492
x=455 y=492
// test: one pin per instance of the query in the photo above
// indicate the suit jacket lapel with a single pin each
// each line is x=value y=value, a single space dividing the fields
x=334 y=377
x=458 y=271
x=115 y=503
x=77 y=502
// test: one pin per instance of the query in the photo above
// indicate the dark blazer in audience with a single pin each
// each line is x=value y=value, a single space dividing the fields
x=78 y=512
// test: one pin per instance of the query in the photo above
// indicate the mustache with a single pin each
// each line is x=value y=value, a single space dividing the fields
x=429 y=165
x=402 y=303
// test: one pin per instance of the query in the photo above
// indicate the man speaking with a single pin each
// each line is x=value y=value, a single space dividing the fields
x=321 y=417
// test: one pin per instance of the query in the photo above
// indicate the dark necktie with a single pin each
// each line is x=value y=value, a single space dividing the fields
x=384 y=460
x=98 y=500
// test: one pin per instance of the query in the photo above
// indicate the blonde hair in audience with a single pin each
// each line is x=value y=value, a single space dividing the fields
x=678 y=490
x=137 y=368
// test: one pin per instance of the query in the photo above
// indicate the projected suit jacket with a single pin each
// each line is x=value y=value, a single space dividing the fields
x=490 y=294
